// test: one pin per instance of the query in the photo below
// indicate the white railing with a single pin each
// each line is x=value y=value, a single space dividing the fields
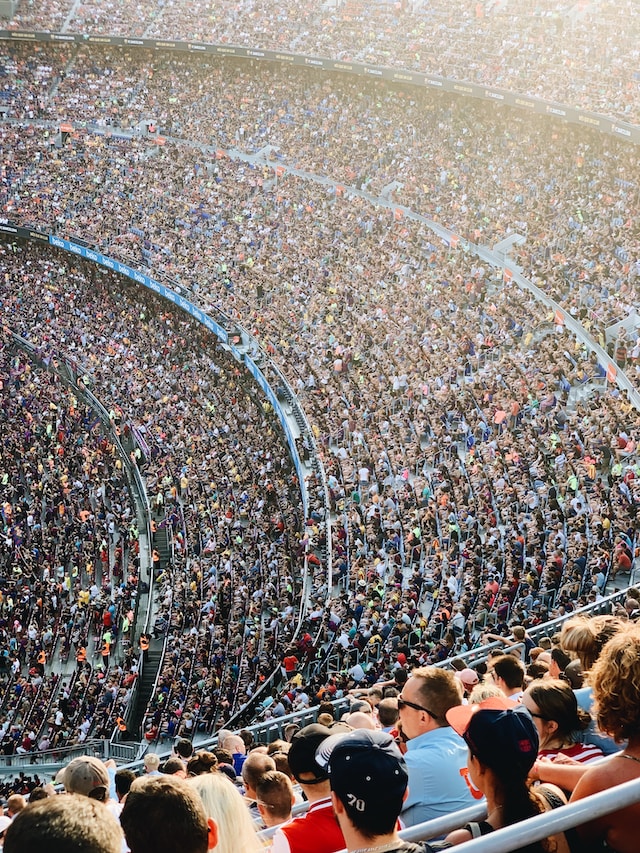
x=515 y=837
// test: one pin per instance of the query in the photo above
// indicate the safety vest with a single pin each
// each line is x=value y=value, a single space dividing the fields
x=42 y=657
x=82 y=655
x=144 y=643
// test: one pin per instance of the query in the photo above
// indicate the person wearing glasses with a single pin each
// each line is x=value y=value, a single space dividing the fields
x=436 y=756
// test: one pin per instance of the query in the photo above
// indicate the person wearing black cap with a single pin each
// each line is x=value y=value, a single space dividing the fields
x=502 y=740
x=317 y=831
x=368 y=778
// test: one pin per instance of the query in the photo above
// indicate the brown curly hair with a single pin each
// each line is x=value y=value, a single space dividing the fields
x=615 y=679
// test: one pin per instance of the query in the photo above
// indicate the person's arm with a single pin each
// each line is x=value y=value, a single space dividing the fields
x=592 y=782
x=496 y=638
x=564 y=774
x=458 y=836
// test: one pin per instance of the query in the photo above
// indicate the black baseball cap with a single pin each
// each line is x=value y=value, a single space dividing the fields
x=302 y=754
x=366 y=770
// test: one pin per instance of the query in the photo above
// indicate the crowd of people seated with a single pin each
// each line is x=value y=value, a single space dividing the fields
x=424 y=744
x=425 y=449
x=471 y=483
x=574 y=53
x=69 y=561
x=232 y=503
x=575 y=205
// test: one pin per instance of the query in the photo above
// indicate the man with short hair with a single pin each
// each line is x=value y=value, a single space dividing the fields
x=256 y=765
x=436 y=756
x=151 y=762
x=317 y=831
x=388 y=713
x=508 y=675
x=163 y=814
x=15 y=804
x=61 y=824
x=122 y=781
x=88 y=776
x=183 y=748
x=275 y=797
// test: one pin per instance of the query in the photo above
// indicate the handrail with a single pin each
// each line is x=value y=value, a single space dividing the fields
x=430 y=829
x=558 y=820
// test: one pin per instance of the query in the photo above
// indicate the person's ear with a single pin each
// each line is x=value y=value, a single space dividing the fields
x=338 y=807
x=213 y=834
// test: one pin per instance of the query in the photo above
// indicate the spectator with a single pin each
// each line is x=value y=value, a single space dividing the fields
x=151 y=762
x=435 y=754
x=15 y=804
x=553 y=707
x=123 y=780
x=368 y=778
x=60 y=824
x=275 y=797
x=503 y=744
x=615 y=678
x=163 y=814
x=256 y=765
x=223 y=804
x=508 y=675
x=200 y=762
x=316 y=831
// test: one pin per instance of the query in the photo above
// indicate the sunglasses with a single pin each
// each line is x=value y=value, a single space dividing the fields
x=404 y=703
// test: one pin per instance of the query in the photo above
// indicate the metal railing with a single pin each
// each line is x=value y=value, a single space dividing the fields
x=58 y=757
x=541 y=826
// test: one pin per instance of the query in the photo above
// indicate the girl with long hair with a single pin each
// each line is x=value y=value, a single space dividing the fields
x=503 y=745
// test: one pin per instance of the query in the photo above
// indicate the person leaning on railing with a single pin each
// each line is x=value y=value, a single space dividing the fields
x=615 y=678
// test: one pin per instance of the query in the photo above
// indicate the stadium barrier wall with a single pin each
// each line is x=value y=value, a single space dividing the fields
x=526 y=103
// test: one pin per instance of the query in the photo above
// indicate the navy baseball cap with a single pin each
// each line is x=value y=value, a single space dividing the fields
x=499 y=732
x=366 y=771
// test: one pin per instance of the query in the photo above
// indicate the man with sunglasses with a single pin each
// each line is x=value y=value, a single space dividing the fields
x=436 y=756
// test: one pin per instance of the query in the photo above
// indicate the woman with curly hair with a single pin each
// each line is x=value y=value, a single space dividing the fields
x=615 y=679
x=554 y=709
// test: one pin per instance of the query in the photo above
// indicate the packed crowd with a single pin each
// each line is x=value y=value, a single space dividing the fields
x=216 y=472
x=575 y=53
x=69 y=561
x=575 y=204
x=435 y=455
x=529 y=730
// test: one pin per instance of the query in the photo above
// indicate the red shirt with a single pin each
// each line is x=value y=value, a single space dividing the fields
x=290 y=663
x=315 y=832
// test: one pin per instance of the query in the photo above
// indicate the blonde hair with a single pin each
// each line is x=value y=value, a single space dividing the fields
x=224 y=803
x=586 y=636
x=615 y=678
x=484 y=691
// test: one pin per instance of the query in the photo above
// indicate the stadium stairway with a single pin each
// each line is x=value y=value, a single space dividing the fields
x=145 y=689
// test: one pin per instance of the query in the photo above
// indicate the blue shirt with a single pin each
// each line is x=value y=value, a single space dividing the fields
x=436 y=785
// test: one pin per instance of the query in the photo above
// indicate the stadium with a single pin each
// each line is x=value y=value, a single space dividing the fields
x=320 y=357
